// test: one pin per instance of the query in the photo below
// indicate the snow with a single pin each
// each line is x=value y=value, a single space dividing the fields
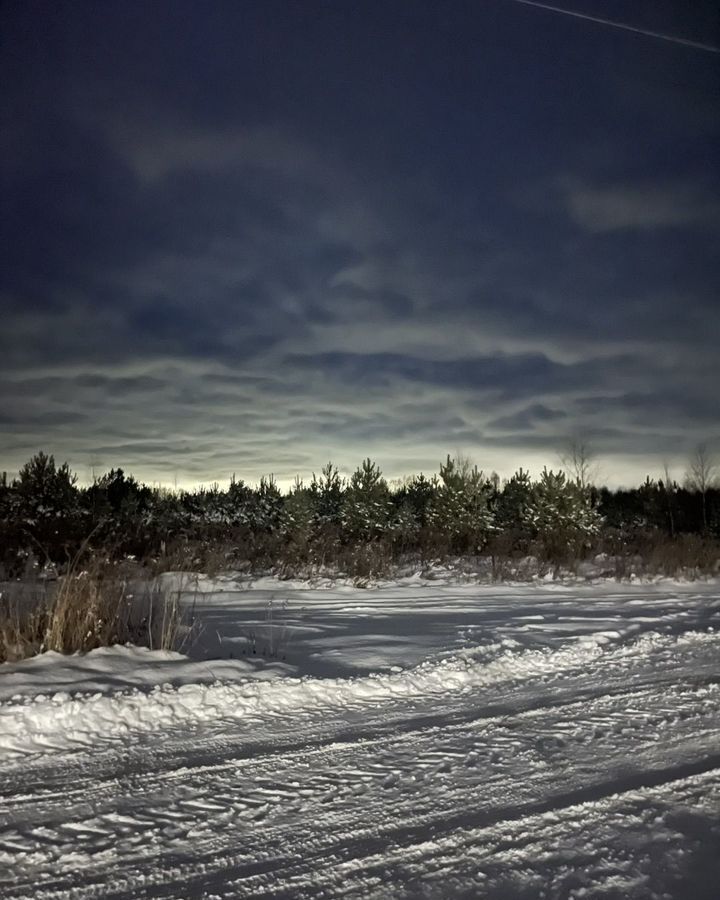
x=421 y=738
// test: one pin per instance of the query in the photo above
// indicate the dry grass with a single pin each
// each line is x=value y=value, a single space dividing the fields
x=88 y=608
x=654 y=553
x=687 y=555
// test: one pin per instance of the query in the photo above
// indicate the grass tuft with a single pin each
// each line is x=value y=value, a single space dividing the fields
x=87 y=608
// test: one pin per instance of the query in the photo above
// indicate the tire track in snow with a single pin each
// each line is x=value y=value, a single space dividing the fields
x=370 y=852
x=267 y=822
x=337 y=762
x=32 y=784
x=360 y=854
x=609 y=847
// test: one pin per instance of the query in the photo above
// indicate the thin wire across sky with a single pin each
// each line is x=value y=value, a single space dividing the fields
x=673 y=39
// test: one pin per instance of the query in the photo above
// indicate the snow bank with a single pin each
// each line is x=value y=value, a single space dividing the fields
x=117 y=668
x=58 y=722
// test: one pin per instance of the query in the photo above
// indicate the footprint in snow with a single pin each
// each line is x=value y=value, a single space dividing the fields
x=391 y=780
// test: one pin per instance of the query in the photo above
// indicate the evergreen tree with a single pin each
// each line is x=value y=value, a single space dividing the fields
x=513 y=508
x=562 y=514
x=47 y=504
x=652 y=497
x=266 y=506
x=298 y=516
x=44 y=490
x=238 y=502
x=460 y=508
x=327 y=494
x=418 y=493
x=367 y=505
x=166 y=518
x=403 y=526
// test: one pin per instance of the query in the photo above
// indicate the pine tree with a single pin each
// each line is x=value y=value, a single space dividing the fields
x=266 y=505
x=298 y=516
x=513 y=508
x=238 y=502
x=418 y=493
x=327 y=494
x=562 y=514
x=46 y=491
x=460 y=508
x=367 y=505
x=47 y=504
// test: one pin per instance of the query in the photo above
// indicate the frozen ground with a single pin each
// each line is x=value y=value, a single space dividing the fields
x=414 y=740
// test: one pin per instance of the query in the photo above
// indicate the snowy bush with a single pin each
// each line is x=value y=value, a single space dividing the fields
x=44 y=505
x=562 y=515
x=298 y=515
x=366 y=504
x=416 y=494
x=265 y=507
x=460 y=507
x=513 y=509
x=327 y=496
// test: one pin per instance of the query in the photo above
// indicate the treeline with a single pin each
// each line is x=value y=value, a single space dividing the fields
x=359 y=524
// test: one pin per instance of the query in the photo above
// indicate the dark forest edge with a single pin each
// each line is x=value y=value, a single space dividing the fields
x=80 y=563
x=360 y=526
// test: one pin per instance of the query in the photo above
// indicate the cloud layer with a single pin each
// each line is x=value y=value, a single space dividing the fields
x=249 y=238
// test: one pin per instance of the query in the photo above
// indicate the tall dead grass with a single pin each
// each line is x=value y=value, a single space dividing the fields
x=89 y=607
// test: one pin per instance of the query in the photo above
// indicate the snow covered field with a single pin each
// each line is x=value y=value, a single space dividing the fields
x=418 y=739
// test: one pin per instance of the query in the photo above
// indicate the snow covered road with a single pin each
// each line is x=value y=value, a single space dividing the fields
x=505 y=742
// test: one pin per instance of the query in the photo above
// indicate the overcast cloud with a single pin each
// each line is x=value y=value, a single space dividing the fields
x=250 y=237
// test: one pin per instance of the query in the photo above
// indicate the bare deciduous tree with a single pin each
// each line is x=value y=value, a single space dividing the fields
x=669 y=488
x=580 y=463
x=701 y=475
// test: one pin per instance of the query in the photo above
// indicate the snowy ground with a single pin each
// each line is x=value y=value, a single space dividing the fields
x=413 y=740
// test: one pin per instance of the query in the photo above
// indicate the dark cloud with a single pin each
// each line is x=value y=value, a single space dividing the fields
x=672 y=404
x=41 y=420
x=526 y=419
x=243 y=237
x=480 y=373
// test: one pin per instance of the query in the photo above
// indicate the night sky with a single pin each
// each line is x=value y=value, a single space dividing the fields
x=254 y=236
